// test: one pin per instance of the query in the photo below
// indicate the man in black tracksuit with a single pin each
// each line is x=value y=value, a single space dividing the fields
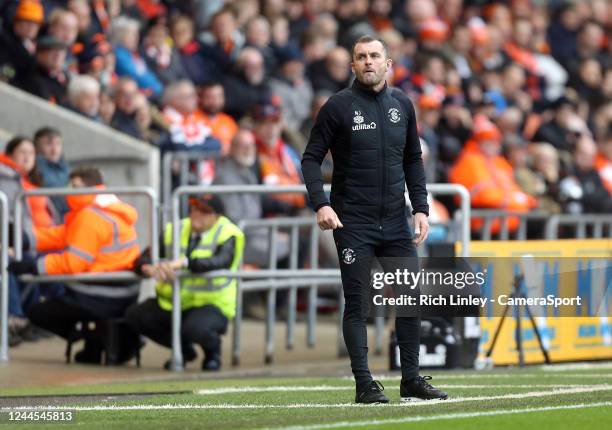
x=371 y=132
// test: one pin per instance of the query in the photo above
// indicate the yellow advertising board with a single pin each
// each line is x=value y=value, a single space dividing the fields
x=566 y=338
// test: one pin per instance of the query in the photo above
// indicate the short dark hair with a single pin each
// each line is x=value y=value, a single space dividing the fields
x=367 y=39
x=46 y=132
x=209 y=84
x=91 y=176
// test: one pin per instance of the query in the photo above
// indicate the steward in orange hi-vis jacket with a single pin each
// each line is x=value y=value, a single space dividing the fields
x=99 y=236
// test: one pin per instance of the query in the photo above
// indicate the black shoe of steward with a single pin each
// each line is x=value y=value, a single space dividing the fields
x=372 y=394
x=212 y=362
x=89 y=355
x=419 y=389
x=188 y=355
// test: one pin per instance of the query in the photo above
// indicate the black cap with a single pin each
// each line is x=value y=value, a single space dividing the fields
x=49 y=42
x=207 y=203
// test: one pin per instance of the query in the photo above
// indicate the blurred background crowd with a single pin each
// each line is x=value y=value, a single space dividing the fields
x=514 y=98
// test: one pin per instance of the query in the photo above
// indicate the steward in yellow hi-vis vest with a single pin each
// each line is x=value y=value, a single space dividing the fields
x=208 y=241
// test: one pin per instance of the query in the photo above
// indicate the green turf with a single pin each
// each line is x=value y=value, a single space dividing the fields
x=533 y=379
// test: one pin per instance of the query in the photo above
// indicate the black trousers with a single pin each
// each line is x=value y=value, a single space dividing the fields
x=358 y=246
x=202 y=325
x=60 y=314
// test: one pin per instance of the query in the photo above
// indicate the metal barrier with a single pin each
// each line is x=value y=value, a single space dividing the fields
x=580 y=223
x=488 y=216
x=550 y=224
x=4 y=286
x=279 y=278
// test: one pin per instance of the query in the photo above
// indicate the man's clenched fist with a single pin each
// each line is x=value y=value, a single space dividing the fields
x=327 y=219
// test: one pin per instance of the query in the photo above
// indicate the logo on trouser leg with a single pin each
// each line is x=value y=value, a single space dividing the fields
x=348 y=256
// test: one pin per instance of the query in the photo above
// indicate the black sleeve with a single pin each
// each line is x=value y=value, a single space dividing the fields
x=414 y=171
x=320 y=140
x=145 y=256
x=222 y=259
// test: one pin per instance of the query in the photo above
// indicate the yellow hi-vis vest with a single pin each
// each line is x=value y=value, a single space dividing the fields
x=197 y=291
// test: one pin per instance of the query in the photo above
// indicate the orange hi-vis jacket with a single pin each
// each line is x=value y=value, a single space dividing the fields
x=604 y=167
x=99 y=235
x=491 y=184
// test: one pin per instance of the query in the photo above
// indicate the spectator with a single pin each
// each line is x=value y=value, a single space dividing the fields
x=211 y=97
x=199 y=63
x=187 y=127
x=488 y=176
x=603 y=161
x=53 y=168
x=20 y=150
x=247 y=86
x=210 y=241
x=279 y=164
x=333 y=73
x=124 y=118
x=238 y=169
x=99 y=236
x=98 y=60
x=584 y=190
x=84 y=96
x=48 y=79
x=293 y=89
x=258 y=35
x=557 y=131
x=161 y=57
x=64 y=26
x=129 y=61
x=18 y=40
x=224 y=40
x=547 y=168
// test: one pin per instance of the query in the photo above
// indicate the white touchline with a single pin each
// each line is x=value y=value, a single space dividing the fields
x=441 y=417
x=575 y=390
x=501 y=375
x=274 y=388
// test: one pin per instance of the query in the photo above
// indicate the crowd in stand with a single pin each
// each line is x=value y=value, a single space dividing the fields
x=532 y=76
x=513 y=98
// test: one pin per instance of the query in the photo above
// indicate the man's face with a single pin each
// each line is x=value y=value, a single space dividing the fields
x=66 y=29
x=50 y=147
x=268 y=131
x=243 y=149
x=125 y=100
x=52 y=59
x=212 y=99
x=223 y=27
x=77 y=182
x=185 y=100
x=201 y=221
x=88 y=103
x=370 y=63
x=26 y=30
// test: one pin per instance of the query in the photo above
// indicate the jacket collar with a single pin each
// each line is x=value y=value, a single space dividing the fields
x=367 y=91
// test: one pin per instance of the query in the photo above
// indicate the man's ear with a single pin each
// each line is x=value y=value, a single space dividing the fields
x=353 y=68
x=389 y=63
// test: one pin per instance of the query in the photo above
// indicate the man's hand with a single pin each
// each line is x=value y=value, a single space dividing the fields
x=327 y=219
x=421 y=228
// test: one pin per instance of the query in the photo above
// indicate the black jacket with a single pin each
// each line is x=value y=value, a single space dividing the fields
x=376 y=152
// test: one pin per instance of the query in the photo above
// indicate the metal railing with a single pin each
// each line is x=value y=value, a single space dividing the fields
x=279 y=278
x=599 y=225
x=4 y=287
x=81 y=277
x=580 y=223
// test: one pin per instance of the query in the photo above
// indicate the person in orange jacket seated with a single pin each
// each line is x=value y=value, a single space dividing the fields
x=488 y=176
x=603 y=162
x=99 y=236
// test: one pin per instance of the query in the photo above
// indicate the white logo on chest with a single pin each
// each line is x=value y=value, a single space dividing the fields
x=394 y=115
x=359 y=125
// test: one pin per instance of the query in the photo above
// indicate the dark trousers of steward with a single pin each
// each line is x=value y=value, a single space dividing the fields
x=202 y=325
x=358 y=246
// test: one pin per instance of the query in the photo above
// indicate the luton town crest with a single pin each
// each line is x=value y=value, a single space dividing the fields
x=358 y=118
x=394 y=115
x=348 y=256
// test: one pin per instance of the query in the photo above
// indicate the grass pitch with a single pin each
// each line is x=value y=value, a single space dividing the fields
x=565 y=398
